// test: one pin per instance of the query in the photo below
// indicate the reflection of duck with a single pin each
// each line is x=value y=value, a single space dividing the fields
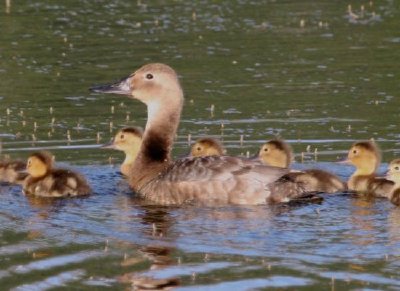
x=12 y=172
x=214 y=179
x=365 y=156
x=45 y=181
x=393 y=175
x=127 y=140
x=278 y=153
x=207 y=147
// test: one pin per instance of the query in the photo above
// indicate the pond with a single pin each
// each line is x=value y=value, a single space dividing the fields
x=319 y=74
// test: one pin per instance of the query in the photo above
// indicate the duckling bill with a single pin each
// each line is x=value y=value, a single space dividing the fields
x=46 y=181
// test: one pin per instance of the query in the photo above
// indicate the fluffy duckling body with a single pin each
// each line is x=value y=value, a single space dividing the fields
x=12 y=172
x=128 y=140
x=279 y=154
x=393 y=175
x=207 y=147
x=204 y=180
x=366 y=157
x=45 y=181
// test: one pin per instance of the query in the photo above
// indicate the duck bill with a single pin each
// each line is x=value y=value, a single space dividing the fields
x=109 y=145
x=122 y=87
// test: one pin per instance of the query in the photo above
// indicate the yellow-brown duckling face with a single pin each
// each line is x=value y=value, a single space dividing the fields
x=127 y=140
x=275 y=153
x=206 y=147
x=147 y=84
x=393 y=173
x=365 y=156
x=37 y=167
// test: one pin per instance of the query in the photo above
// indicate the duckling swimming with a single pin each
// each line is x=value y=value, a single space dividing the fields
x=128 y=140
x=207 y=146
x=45 y=181
x=12 y=172
x=393 y=175
x=366 y=157
x=279 y=154
x=205 y=180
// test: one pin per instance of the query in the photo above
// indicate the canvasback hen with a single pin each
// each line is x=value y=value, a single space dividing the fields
x=207 y=146
x=278 y=153
x=12 y=172
x=204 y=180
x=127 y=140
x=46 y=181
x=366 y=157
x=393 y=175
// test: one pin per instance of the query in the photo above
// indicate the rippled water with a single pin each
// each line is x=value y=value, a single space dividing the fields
x=309 y=72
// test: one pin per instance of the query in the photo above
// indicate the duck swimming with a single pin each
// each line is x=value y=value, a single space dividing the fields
x=205 y=180
x=393 y=175
x=278 y=153
x=128 y=140
x=12 y=172
x=366 y=157
x=45 y=181
x=207 y=147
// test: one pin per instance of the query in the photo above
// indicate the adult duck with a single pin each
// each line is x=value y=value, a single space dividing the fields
x=204 y=180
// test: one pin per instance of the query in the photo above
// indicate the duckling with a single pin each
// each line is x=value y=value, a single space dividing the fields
x=204 y=180
x=393 y=175
x=207 y=146
x=45 y=181
x=12 y=172
x=279 y=154
x=366 y=157
x=127 y=140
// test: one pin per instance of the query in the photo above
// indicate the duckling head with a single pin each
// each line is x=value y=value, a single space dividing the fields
x=39 y=164
x=276 y=153
x=393 y=173
x=127 y=140
x=207 y=147
x=148 y=84
x=365 y=156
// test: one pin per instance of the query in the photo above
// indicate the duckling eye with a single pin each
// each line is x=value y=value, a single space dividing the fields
x=149 y=76
x=396 y=168
x=122 y=136
x=354 y=151
x=265 y=149
x=198 y=148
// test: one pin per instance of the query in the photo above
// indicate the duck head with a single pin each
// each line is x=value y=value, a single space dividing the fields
x=207 y=147
x=127 y=140
x=276 y=153
x=365 y=156
x=393 y=173
x=148 y=84
x=39 y=164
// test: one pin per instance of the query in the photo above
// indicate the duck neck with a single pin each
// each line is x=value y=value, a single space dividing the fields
x=130 y=157
x=155 y=152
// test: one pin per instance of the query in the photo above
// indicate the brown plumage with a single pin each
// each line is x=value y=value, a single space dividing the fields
x=366 y=157
x=12 y=172
x=45 y=181
x=393 y=175
x=207 y=146
x=128 y=140
x=279 y=154
x=206 y=180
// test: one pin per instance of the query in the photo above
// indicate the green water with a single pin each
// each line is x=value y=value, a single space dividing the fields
x=302 y=70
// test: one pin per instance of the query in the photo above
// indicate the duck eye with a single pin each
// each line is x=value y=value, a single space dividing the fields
x=149 y=76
